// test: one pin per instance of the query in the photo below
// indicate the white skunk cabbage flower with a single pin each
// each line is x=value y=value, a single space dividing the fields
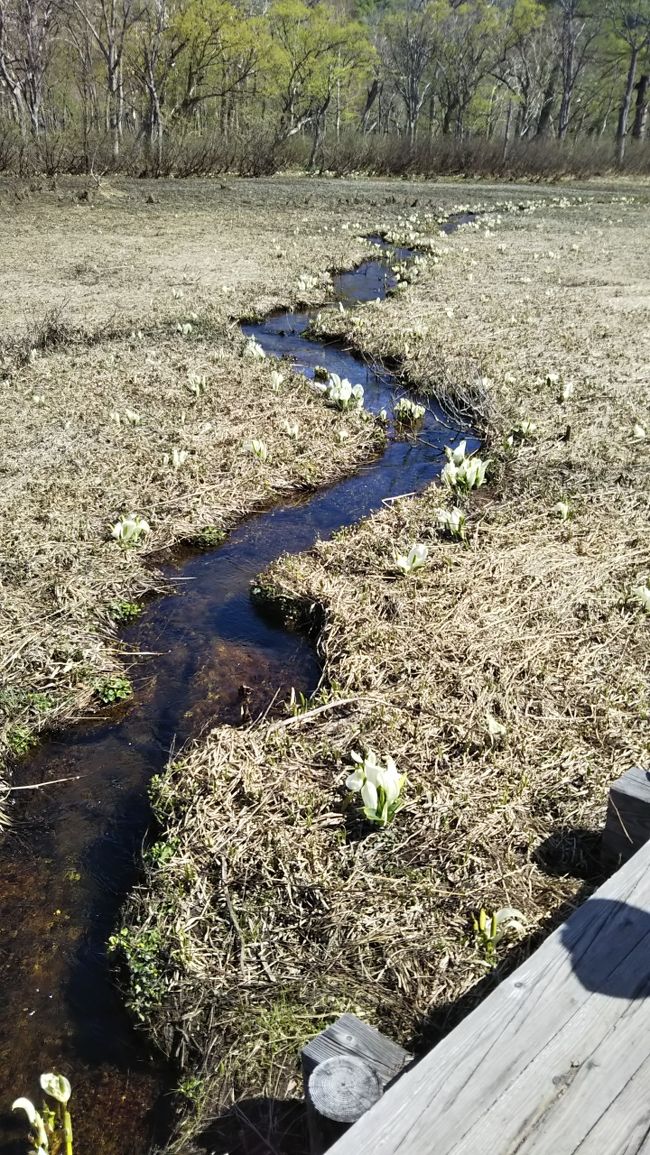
x=408 y=412
x=292 y=428
x=57 y=1087
x=176 y=458
x=563 y=510
x=449 y=475
x=457 y=455
x=133 y=417
x=379 y=786
x=496 y=729
x=526 y=429
x=276 y=380
x=639 y=432
x=568 y=389
x=641 y=594
x=196 y=383
x=35 y=1121
x=253 y=349
x=258 y=448
x=414 y=559
x=130 y=529
x=341 y=393
x=452 y=521
x=306 y=283
x=474 y=472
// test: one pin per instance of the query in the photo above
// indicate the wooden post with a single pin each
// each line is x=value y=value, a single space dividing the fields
x=345 y=1070
x=627 y=826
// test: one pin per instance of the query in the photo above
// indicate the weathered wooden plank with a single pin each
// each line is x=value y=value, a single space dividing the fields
x=351 y=1036
x=556 y=1060
x=627 y=826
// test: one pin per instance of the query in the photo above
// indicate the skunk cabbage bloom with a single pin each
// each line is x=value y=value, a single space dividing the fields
x=343 y=394
x=379 y=786
x=57 y=1087
x=253 y=349
x=258 y=448
x=414 y=559
x=408 y=412
x=129 y=529
x=35 y=1121
x=641 y=594
x=452 y=521
x=457 y=455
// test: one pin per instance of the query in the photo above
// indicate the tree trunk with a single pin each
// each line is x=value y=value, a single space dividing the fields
x=625 y=106
x=641 y=108
x=506 y=135
x=373 y=94
x=446 y=120
x=548 y=101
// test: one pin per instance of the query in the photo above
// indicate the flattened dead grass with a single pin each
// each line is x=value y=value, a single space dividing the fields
x=74 y=462
x=273 y=895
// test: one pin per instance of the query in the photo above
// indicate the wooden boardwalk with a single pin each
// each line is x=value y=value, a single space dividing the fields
x=555 y=1062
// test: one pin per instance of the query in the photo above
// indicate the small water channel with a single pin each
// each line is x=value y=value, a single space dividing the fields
x=73 y=851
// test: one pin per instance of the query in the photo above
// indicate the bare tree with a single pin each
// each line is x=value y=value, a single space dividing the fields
x=26 y=40
x=410 y=42
x=630 y=22
x=109 y=23
x=578 y=29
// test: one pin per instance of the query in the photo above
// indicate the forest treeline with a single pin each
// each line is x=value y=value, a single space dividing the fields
x=160 y=86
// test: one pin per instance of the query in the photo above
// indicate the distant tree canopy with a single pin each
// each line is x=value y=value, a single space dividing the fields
x=145 y=70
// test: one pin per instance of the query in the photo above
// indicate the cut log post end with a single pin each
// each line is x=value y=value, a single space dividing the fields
x=343 y=1088
x=345 y=1069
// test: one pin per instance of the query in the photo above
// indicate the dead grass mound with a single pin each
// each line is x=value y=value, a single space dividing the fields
x=90 y=435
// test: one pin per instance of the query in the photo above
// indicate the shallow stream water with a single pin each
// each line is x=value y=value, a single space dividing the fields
x=72 y=853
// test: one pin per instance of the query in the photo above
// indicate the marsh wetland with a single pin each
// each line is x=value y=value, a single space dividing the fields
x=529 y=621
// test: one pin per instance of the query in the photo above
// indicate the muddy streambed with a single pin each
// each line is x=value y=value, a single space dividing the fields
x=72 y=853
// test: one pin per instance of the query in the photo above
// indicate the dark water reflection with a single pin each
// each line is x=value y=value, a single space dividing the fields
x=72 y=854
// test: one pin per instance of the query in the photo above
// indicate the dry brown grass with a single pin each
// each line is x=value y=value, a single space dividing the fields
x=70 y=472
x=90 y=296
x=276 y=907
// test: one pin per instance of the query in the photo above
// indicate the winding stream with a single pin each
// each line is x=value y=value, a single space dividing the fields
x=73 y=851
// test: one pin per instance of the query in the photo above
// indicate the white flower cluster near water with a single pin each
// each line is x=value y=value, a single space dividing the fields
x=253 y=350
x=128 y=530
x=340 y=392
x=408 y=412
x=462 y=472
x=380 y=786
